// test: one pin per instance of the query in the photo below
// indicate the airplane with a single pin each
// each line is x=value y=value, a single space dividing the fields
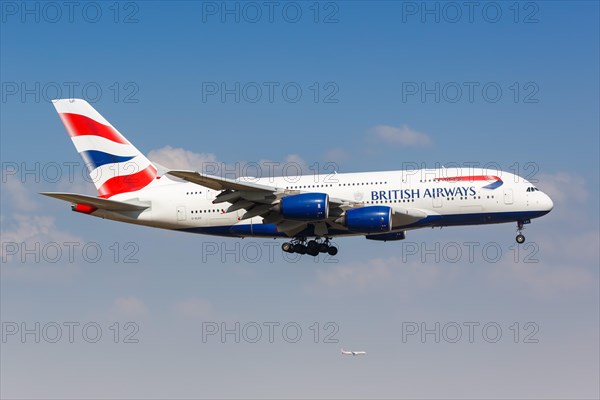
x=354 y=353
x=308 y=210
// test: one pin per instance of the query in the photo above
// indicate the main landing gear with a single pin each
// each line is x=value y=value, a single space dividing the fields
x=312 y=247
x=520 y=238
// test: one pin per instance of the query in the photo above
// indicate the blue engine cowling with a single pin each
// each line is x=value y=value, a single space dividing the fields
x=370 y=219
x=305 y=206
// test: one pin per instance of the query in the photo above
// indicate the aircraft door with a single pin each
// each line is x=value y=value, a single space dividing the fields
x=180 y=213
x=508 y=196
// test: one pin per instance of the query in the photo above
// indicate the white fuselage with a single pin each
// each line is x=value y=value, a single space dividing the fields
x=501 y=197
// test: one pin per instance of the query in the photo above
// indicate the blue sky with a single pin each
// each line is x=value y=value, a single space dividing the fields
x=154 y=66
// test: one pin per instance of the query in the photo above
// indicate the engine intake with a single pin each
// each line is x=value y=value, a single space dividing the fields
x=370 y=219
x=305 y=207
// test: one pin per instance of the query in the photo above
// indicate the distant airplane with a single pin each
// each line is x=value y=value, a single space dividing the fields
x=309 y=211
x=354 y=353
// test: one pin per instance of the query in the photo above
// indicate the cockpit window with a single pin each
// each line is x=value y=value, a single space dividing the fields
x=533 y=189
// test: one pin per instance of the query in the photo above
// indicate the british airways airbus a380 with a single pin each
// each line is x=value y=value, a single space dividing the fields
x=377 y=205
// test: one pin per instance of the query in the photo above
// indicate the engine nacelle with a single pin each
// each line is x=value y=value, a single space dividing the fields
x=370 y=219
x=387 y=236
x=305 y=206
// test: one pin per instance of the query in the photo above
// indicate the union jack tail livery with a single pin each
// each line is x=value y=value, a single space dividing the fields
x=114 y=164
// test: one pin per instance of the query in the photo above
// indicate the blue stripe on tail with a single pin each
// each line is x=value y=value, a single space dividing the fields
x=94 y=158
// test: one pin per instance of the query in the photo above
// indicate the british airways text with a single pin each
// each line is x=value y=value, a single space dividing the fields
x=399 y=194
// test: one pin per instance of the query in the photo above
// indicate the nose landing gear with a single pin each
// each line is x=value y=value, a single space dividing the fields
x=520 y=238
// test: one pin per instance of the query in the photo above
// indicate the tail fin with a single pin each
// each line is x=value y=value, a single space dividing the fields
x=114 y=164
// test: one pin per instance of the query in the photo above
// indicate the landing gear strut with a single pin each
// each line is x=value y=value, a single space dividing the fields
x=520 y=238
x=312 y=247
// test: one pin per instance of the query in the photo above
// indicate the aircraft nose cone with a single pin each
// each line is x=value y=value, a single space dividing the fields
x=547 y=203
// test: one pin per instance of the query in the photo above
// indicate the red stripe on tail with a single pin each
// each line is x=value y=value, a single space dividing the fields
x=127 y=183
x=80 y=125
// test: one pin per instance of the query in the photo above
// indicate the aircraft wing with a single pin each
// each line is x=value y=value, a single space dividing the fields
x=98 y=202
x=261 y=200
x=218 y=183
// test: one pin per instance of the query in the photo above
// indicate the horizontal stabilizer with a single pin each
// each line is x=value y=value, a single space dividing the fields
x=99 y=203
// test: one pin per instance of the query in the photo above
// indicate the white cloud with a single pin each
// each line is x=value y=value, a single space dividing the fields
x=24 y=225
x=564 y=187
x=403 y=135
x=295 y=158
x=369 y=275
x=33 y=249
x=128 y=307
x=194 y=308
x=551 y=265
x=372 y=275
x=178 y=158
x=544 y=279
x=18 y=195
x=545 y=267
x=27 y=230
x=570 y=195
x=293 y=165
x=32 y=246
x=337 y=155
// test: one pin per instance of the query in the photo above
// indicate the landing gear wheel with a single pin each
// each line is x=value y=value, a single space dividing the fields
x=313 y=246
x=300 y=248
x=520 y=239
x=287 y=247
x=323 y=247
x=332 y=250
x=312 y=252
